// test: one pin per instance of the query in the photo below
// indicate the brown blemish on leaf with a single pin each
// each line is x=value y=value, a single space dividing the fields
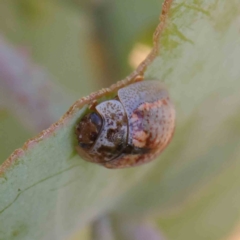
x=19 y=230
x=135 y=76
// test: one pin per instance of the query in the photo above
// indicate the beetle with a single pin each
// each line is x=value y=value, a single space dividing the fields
x=131 y=129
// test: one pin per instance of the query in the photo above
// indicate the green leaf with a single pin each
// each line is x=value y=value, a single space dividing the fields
x=9 y=127
x=195 y=187
x=47 y=191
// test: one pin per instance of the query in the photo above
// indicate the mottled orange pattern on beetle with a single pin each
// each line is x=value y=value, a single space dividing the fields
x=146 y=123
x=147 y=135
x=132 y=133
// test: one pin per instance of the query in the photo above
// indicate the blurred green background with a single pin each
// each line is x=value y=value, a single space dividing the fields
x=84 y=45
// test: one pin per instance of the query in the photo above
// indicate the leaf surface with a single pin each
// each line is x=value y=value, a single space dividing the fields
x=193 y=186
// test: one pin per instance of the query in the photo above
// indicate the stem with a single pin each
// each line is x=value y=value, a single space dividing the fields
x=102 y=229
x=28 y=91
x=136 y=229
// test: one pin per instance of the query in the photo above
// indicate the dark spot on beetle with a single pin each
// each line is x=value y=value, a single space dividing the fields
x=110 y=134
x=112 y=115
x=105 y=150
x=115 y=136
x=164 y=102
x=85 y=146
x=93 y=136
x=87 y=130
x=130 y=149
